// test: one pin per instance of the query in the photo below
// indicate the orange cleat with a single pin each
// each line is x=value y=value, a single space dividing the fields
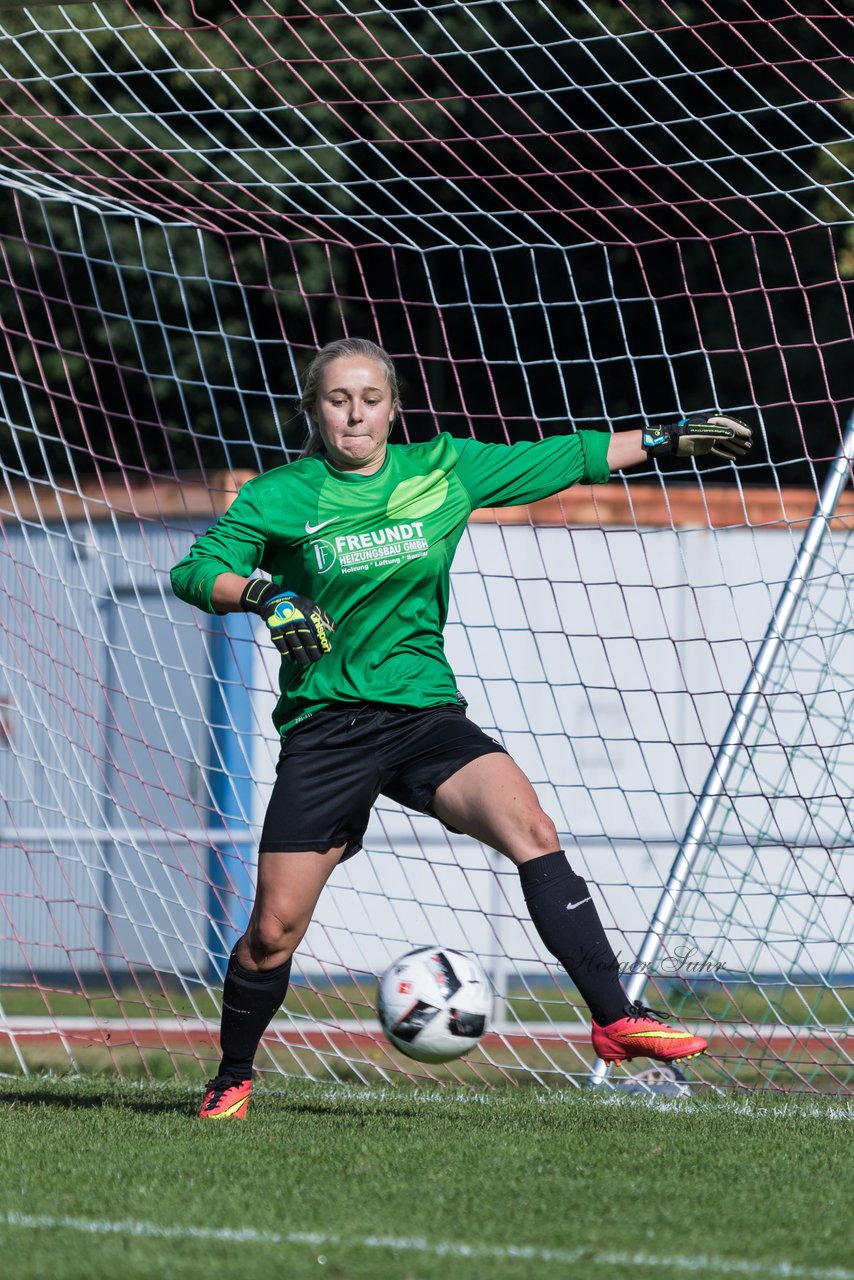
x=642 y=1033
x=226 y=1099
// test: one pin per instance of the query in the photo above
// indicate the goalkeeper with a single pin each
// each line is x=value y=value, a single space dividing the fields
x=357 y=537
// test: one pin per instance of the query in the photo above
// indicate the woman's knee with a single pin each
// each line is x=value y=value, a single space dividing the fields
x=542 y=833
x=530 y=835
x=273 y=933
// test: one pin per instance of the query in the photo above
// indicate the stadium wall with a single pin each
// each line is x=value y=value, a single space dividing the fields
x=104 y=769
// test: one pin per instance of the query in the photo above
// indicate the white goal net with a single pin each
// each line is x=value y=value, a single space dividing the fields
x=553 y=217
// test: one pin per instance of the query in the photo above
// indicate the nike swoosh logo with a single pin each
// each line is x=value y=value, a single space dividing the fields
x=314 y=528
x=570 y=906
x=666 y=1033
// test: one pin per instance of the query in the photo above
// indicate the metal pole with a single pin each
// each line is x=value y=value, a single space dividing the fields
x=230 y=885
x=716 y=781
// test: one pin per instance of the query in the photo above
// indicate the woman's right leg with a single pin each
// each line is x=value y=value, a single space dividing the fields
x=288 y=887
x=256 y=980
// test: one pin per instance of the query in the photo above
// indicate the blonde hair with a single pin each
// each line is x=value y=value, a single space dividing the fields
x=311 y=379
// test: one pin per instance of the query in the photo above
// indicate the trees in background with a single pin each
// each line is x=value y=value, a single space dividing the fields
x=592 y=217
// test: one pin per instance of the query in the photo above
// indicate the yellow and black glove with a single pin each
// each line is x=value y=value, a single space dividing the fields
x=300 y=628
x=698 y=434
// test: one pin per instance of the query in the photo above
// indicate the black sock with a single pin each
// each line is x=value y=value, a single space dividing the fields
x=249 y=1000
x=566 y=919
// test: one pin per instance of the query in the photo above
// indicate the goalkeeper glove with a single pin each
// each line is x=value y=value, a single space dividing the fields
x=695 y=435
x=300 y=628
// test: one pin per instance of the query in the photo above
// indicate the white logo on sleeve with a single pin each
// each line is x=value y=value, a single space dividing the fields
x=570 y=906
x=315 y=528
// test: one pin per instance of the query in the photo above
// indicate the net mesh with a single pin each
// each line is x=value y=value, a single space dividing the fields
x=552 y=220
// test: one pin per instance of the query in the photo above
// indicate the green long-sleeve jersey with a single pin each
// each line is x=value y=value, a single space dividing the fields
x=376 y=552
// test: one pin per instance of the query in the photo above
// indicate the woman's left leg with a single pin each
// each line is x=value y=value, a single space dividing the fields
x=492 y=800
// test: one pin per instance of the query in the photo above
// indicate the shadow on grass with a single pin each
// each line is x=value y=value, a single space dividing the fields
x=70 y=1096
x=345 y=1112
x=79 y=1095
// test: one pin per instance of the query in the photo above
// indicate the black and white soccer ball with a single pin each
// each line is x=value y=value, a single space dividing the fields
x=434 y=1004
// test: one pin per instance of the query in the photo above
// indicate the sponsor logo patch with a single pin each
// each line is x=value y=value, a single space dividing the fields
x=352 y=552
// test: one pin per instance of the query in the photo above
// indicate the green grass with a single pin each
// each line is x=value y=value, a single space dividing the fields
x=823 y=1066
x=588 y=1184
x=802 y=1005
x=169 y=999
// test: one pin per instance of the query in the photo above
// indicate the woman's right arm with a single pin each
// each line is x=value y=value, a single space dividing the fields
x=216 y=575
x=226 y=592
x=214 y=571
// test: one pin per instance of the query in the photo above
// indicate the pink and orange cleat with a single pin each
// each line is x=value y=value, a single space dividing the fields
x=226 y=1099
x=642 y=1033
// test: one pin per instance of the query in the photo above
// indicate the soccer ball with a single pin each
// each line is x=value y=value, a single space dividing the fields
x=434 y=1004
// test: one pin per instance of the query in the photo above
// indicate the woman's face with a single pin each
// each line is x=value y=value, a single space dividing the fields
x=353 y=412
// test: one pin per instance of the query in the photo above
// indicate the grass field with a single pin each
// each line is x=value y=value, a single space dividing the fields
x=103 y=1179
x=795 y=1005
x=749 y=1060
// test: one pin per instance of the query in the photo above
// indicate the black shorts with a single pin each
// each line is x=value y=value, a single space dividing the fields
x=332 y=768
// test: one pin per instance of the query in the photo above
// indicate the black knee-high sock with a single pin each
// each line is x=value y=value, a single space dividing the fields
x=564 y=915
x=249 y=1000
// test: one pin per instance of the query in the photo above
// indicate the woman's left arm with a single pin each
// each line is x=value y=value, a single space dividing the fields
x=501 y=475
x=693 y=437
x=625 y=449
